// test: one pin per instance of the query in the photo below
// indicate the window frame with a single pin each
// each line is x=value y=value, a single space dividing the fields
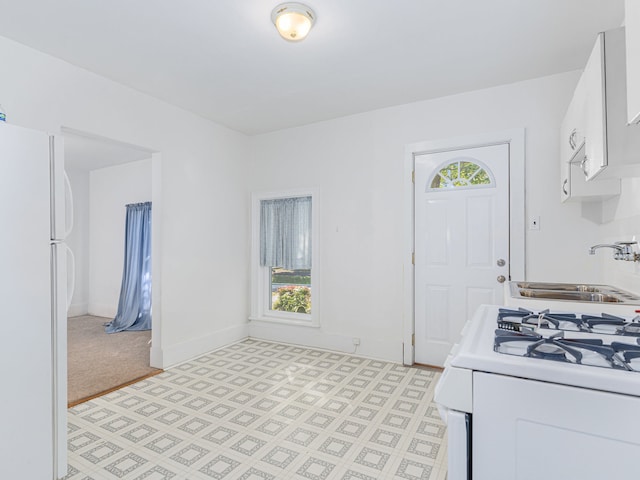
x=475 y=161
x=261 y=276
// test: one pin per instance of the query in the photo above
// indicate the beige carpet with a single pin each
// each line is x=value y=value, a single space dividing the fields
x=99 y=362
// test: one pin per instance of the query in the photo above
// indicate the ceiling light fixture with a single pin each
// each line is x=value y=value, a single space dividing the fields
x=293 y=20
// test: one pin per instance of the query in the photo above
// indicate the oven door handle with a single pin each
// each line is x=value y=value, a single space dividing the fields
x=459 y=445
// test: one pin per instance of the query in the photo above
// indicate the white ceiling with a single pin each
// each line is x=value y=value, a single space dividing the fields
x=86 y=153
x=224 y=60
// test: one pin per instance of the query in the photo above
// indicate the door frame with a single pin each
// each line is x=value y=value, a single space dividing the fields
x=155 y=354
x=156 y=359
x=515 y=138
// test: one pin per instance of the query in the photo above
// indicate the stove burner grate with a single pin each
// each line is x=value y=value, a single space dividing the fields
x=592 y=352
x=515 y=320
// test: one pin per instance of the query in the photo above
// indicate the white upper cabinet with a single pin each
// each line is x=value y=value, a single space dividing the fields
x=632 y=22
x=622 y=146
x=583 y=144
x=595 y=123
x=585 y=122
x=572 y=132
x=597 y=144
x=575 y=187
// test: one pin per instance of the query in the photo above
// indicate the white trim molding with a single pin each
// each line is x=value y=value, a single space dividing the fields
x=516 y=140
x=177 y=353
x=102 y=310
x=260 y=311
x=156 y=261
x=374 y=348
x=78 y=309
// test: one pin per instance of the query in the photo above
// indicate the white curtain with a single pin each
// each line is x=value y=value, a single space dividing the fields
x=285 y=233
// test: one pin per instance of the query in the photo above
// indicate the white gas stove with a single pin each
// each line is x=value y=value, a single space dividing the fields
x=526 y=381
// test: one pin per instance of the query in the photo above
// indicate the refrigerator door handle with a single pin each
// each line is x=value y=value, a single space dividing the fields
x=68 y=205
x=60 y=187
x=71 y=276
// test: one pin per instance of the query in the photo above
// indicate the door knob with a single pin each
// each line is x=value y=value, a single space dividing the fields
x=501 y=262
x=501 y=278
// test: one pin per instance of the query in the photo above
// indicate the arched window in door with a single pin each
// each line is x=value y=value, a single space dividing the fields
x=461 y=173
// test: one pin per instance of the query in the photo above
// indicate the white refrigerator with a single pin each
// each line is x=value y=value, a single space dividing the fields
x=33 y=302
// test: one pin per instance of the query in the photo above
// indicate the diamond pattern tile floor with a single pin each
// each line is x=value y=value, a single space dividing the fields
x=260 y=410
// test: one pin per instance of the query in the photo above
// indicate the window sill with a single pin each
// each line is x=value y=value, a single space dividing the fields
x=284 y=320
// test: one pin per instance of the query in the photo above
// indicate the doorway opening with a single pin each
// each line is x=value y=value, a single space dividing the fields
x=105 y=175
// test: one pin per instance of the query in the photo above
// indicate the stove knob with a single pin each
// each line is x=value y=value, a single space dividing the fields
x=501 y=278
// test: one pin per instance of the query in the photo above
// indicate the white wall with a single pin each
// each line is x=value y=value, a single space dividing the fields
x=202 y=193
x=78 y=241
x=357 y=163
x=110 y=190
x=623 y=224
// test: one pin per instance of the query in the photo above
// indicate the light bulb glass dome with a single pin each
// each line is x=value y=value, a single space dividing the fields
x=293 y=20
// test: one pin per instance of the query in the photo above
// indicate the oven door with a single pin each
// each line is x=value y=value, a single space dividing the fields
x=459 y=445
x=531 y=430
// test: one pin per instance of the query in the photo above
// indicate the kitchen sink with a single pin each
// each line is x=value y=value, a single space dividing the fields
x=568 y=287
x=572 y=292
x=573 y=296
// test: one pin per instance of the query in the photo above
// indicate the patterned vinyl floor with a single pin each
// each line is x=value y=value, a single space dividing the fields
x=260 y=410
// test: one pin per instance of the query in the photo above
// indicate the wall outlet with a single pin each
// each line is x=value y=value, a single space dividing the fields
x=534 y=222
x=356 y=341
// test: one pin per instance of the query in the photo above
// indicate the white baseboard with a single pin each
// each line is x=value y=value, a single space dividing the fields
x=181 y=352
x=380 y=349
x=171 y=355
x=78 y=309
x=108 y=311
x=155 y=357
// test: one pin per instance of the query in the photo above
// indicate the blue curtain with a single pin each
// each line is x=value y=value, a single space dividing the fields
x=134 y=306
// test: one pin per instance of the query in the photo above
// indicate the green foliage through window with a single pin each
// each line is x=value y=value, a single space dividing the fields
x=293 y=299
x=291 y=290
x=460 y=173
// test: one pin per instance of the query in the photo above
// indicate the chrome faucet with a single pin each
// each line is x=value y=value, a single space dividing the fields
x=624 y=251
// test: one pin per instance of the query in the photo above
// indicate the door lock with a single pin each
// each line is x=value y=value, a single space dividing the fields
x=501 y=278
x=501 y=262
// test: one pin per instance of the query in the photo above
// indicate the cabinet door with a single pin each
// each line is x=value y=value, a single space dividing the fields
x=572 y=137
x=530 y=430
x=595 y=110
x=565 y=181
x=572 y=131
x=632 y=34
x=577 y=188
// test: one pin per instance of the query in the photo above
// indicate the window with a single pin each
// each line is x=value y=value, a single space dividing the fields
x=291 y=290
x=461 y=173
x=284 y=270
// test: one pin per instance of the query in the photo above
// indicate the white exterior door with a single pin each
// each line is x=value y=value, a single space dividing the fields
x=461 y=242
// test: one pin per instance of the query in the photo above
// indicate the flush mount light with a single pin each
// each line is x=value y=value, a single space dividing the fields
x=293 y=20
